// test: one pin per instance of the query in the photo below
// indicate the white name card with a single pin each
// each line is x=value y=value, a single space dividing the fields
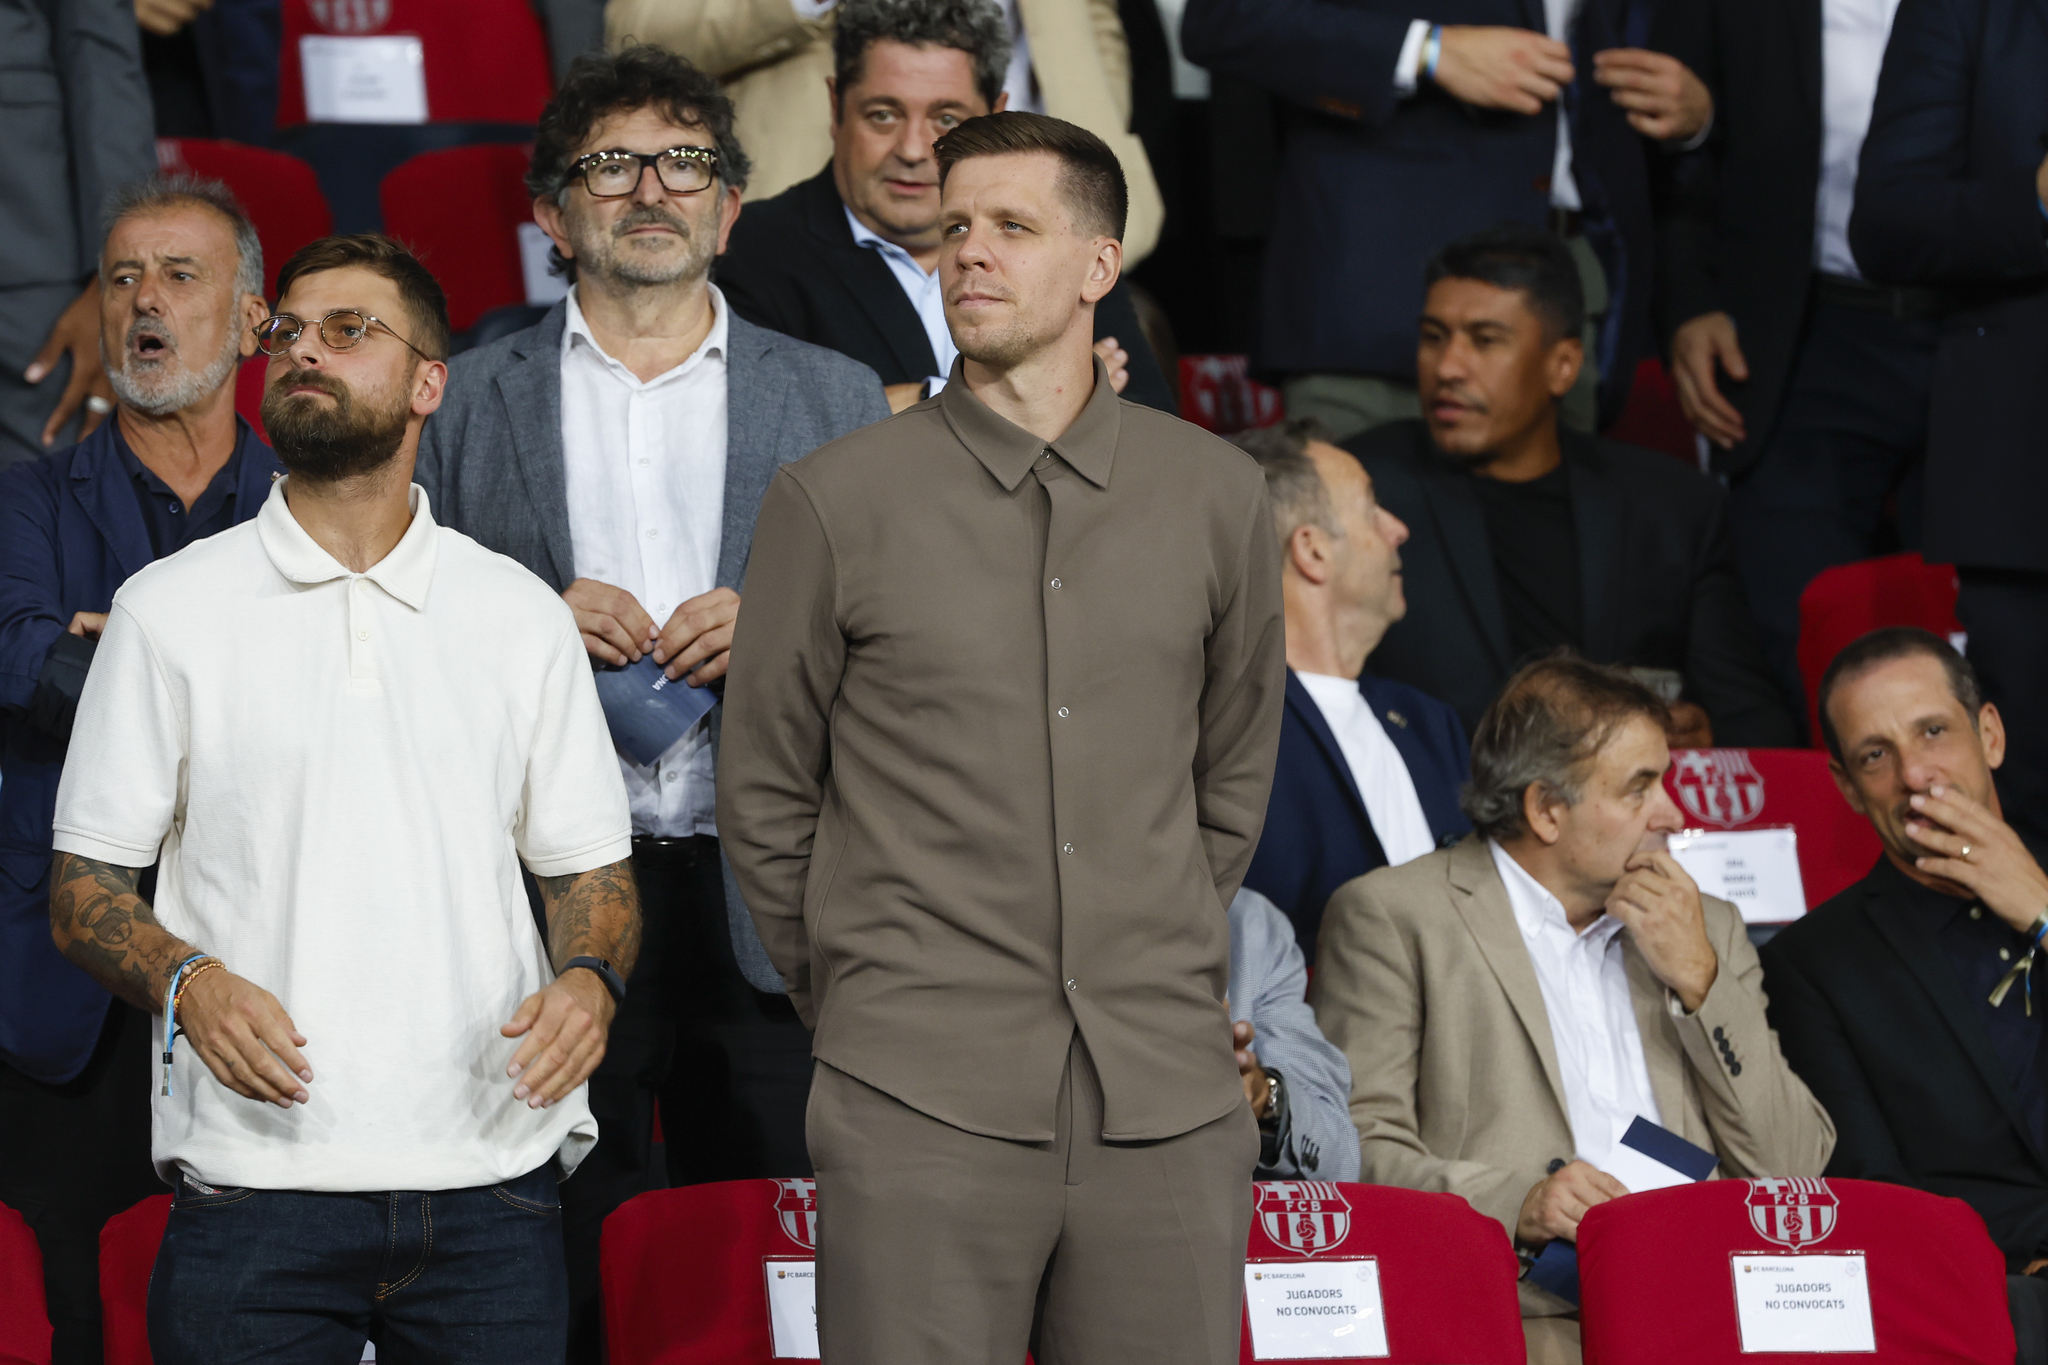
x=1755 y=869
x=1315 y=1310
x=543 y=286
x=792 y=1307
x=364 y=80
x=1807 y=1302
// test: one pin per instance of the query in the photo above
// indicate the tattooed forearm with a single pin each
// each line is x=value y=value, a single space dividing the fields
x=594 y=914
x=99 y=921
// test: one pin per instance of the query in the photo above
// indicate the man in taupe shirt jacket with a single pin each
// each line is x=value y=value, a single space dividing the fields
x=1510 y=1005
x=1006 y=696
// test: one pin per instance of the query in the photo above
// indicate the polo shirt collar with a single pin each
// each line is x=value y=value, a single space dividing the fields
x=406 y=573
x=1007 y=451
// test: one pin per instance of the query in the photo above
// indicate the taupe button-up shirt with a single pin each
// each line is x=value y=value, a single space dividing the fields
x=999 y=730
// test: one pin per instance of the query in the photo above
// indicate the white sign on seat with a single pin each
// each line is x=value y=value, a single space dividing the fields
x=364 y=80
x=1803 y=1301
x=792 y=1306
x=1756 y=870
x=1315 y=1310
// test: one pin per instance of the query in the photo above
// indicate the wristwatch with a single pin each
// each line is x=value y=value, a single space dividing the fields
x=613 y=982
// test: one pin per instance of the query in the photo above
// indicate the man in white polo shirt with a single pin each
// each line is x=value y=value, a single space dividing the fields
x=337 y=730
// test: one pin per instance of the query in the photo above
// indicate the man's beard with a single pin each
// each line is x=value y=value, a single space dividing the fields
x=165 y=385
x=600 y=252
x=326 y=444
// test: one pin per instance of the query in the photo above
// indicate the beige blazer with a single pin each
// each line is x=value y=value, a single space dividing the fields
x=775 y=65
x=1423 y=980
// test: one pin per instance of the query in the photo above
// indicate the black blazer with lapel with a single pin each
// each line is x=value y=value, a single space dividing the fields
x=1735 y=218
x=1945 y=196
x=1657 y=583
x=792 y=265
x=1873 y=1018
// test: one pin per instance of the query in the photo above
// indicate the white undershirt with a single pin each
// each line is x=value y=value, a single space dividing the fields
x=1377 y=768
x=1592 y=1013
x=1853 y=34
x=645 y=467
x=924 y=291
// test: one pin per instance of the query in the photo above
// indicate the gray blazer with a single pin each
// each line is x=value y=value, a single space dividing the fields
x=79 y=124
x=1269 y=987
x=491 y=463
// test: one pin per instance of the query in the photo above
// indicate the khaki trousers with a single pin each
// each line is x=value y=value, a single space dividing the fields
x=937 y=1246
x=1552 y=1341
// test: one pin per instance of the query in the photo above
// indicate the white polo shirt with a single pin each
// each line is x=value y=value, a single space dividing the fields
x=343 y=772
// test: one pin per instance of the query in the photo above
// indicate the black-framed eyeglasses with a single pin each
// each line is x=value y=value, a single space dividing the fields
x=342 y=330
x=612 y=175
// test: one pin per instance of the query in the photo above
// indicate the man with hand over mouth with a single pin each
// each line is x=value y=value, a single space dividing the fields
x=339 y=730
x=1572 y=979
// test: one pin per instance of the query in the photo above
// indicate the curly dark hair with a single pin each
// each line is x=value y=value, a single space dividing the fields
x=639 y=75
x=974 y=27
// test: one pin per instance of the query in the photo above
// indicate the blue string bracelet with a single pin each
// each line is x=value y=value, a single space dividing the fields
x=170 y=1006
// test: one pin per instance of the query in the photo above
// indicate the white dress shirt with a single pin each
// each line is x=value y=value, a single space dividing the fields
x=1377 y=767
x=338 y=775
x=1558 y=18
x=645 y=465
x=1592 y=1015
x=1853 y=34
x=922 y=288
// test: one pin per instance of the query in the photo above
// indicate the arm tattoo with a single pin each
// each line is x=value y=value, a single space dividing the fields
x=594 y=914
x=98 y=920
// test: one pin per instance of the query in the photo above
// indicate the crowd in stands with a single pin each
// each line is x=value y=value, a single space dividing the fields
x=1086 y=802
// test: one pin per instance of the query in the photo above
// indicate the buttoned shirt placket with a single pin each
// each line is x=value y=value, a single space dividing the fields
x=363 y=677
x=1057 y=486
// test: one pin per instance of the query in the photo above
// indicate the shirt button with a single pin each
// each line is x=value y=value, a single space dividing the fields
x=652 y=533
x=643 y=459
x=362 y=635
x=1055 y=585
x=1976 y=912
x=669 y=776
x=1066 y=848
x=1063 y=713
x=1072 y=984
x=2005 y=954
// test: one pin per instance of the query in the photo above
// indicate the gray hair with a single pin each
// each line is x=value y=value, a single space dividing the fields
x=161 y=193
x=975 y=27
x=1294 y=485
x=1545 y=729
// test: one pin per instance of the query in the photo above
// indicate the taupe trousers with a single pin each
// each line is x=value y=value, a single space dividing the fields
x=1086 y=1252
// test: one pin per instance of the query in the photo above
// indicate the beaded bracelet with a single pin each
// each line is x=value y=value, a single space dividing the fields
x=171 y=994
x=204 y=966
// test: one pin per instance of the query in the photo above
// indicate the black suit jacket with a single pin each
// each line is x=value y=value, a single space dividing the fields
x=792 y=266
x=1945 y=196
x=1658 y=589
x=1735 y=218
x=1372 y=185
x=1872 y=1017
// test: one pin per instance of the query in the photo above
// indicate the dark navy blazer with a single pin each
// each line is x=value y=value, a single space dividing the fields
x=1318 y=835
x=70 y=534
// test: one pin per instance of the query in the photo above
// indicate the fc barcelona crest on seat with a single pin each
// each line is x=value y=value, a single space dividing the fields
x=1793 y=1212
x=796 y=1205
x=1718 y=786
x=1304 y=1216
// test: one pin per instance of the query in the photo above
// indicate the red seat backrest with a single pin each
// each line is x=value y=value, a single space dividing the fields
x=1851 y=600
x=249 y=392
x=1447 y=1273
x=1755 y=788
x=460 y=211
x=1657 y=1287
x=280 y=193
x=708 y=1244
x=1217 y=393
x=24 y=1317
x=486 y=60
x=1652 y=418
x=128 y=1246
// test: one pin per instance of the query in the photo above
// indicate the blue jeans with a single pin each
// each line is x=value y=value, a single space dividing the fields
x=444 y=1277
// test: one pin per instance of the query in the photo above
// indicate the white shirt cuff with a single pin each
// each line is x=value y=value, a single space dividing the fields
x=808 y=10
x=1408 y=66
x=1697 y=139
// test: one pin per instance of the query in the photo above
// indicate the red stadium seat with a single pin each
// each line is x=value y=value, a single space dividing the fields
x=1217 y=393
x=1652 y=418
x=722 y=1241
x=1851 y=600
x=280 y=193
x=24 y=1319
x=128 y=1246
x=1446 y=1273
x=1733 y=789
x=486 y=60
x=1660 y=1273
x=249 y=392
x=460 y=211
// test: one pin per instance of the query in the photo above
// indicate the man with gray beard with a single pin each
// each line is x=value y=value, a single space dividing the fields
x=181 y=280
x=619 y=448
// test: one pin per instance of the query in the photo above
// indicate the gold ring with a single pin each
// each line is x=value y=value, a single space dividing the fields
x=1965 y=854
